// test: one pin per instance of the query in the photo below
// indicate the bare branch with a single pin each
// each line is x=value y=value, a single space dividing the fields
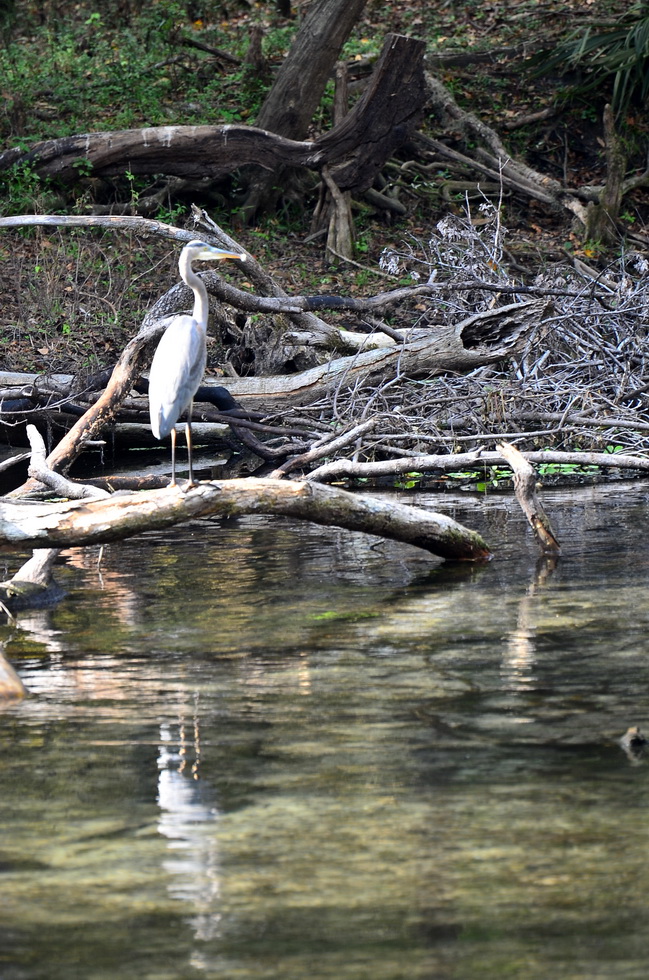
x=451 y=462
x=525 y=487
x=324 y=447
x=40 y=470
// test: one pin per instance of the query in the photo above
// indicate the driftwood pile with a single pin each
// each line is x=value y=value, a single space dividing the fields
x=450 y=371
x=560 y=362
x=427 y=377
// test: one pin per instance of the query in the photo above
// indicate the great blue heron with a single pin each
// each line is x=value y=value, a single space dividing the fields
x=179 y=361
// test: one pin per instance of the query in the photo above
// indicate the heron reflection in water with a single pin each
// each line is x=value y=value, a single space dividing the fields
x=179 y=361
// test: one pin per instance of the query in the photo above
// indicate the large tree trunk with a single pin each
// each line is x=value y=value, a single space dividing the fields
x=602 y=218
x=298 y=88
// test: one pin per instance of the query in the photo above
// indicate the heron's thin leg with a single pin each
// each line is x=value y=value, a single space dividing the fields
x=188 y=433
x=173 y=457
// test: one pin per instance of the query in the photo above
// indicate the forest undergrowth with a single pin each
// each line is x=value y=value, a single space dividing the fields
x=72 y=299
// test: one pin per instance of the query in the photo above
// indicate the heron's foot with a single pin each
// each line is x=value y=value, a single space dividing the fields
x=185 y=486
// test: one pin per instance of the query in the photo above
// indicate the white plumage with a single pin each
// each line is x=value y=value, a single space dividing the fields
x=178 y=364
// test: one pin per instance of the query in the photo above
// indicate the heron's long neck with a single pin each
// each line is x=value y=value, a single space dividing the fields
x=201 y=302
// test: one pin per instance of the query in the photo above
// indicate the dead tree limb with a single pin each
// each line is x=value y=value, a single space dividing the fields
x=492 y=158
x=129 y=366
x=324 y=447
x=340 y=235
x=263 y=283
x=40 y=470
x=449 y=462
x=481 y=339
x=273 y=299
x=41 y=525
x=525 y=488
x=356 y=149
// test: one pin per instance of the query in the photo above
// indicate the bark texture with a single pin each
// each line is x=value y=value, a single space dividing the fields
x=480 y=339
x=356 y=149
x=297 y=90
x=525 y=487
x=121 y=516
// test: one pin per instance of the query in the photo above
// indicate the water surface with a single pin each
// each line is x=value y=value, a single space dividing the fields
x=259 y=749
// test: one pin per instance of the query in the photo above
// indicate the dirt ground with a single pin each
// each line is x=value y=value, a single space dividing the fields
x=70 y=300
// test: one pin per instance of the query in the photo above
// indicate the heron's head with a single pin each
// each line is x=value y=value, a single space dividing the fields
x=201 y=251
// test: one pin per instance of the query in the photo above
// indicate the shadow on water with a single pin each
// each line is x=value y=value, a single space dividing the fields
x=260 y=750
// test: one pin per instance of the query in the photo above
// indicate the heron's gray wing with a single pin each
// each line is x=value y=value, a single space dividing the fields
x=176 y=372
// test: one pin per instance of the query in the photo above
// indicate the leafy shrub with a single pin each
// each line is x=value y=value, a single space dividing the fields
x=618 y=55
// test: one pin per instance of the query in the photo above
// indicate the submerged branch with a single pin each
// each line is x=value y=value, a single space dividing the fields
x=525 y=487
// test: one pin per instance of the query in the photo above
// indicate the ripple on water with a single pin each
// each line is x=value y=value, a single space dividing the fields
x=253 y=750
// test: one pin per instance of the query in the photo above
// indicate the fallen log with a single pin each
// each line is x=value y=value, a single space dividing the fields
x=357 y=148
x=82 y=522
x=492 y=159
x=485 y=338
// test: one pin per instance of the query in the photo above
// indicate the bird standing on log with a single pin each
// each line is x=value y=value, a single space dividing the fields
x=179 y=361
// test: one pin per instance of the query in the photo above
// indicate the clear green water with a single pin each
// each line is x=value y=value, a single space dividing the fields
x=256 y=750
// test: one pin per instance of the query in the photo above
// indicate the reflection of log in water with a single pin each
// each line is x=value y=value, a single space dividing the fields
x=11 y=686
x=519 y=656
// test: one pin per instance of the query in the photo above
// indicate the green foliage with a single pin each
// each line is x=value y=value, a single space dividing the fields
x=19 y=184
x=88 y=70
x=171 y=215
x=83 y=167
x=566 y=469
x=22 y=191
x=500 y=477
x=360 y=49
x=495 y=477
x=409 y=481
x=617 y=57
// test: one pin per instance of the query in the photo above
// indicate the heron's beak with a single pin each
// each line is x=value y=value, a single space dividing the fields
x=219 y=255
